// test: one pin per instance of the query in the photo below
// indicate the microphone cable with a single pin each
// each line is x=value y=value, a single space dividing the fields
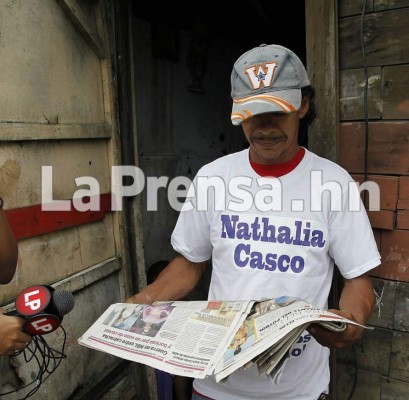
x=46 y=358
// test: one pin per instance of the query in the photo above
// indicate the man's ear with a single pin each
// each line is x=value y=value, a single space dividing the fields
x=305 y=106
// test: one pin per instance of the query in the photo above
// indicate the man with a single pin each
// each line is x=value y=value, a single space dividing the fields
x=278 y=229
x=11 y=336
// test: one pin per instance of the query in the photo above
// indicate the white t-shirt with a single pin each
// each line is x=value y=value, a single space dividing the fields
x=270 y=237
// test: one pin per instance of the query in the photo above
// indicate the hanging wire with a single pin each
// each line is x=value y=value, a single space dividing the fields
x=355 y=375
x=365 y=201
x=46 y=358
x=365 y=100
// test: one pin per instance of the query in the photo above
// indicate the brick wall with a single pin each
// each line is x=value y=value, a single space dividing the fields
x=381 y=359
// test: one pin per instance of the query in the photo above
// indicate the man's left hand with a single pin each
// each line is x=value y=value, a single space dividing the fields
x=337 y=340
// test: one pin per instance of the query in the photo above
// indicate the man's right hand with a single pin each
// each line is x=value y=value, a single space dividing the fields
x=12 y=337
x=173 y=283
x=139 y=298
x=176 y=281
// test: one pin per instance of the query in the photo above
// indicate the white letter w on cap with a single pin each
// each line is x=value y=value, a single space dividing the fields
x=264 y=75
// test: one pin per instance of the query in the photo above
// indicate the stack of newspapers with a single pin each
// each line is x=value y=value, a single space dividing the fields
x=201 y=338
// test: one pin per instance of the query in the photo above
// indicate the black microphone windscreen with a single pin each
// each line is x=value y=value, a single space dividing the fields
x=63 y=301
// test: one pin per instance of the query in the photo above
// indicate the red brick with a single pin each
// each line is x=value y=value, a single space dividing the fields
x=404 y=187
x=402 y=219
x=403 y=204
x=388 y=186
x=383 y=219
x=387 y=152
x=395 y=255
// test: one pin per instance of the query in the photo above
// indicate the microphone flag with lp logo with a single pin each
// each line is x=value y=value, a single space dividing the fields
x=43 y=308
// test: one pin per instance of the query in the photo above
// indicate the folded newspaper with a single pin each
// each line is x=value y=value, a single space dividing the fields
x=200 y=338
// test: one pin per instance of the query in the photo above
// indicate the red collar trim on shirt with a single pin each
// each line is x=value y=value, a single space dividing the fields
x=278 y=170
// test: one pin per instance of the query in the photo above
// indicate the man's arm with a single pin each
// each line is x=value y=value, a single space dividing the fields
x=177 y=280
x=357 y=303
x=8 y=250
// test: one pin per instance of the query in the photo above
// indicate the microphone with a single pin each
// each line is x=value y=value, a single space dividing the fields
x=43 y=308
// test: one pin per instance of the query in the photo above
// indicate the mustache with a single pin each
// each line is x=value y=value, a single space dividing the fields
x=267 y=138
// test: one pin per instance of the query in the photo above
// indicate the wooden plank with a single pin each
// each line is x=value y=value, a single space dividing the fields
x=387 y=152
x=74 y=12
x=97 y=240
x=395 y=88
x=380 y=5
x=49 y=73
x=383 y=219
x=135 y=221
x=388 y=187
x=386 y=37
x=90 y=275
x=383 y=314
x=23 y=131
x=399 y=356
x=395 y=255
x=367 y=386
x=84 y=278
x=31 y=221
x=372 y=353
x=322 y=65
x=401 y=315
x=353 y=7
x=393 y=389
x=351 y=99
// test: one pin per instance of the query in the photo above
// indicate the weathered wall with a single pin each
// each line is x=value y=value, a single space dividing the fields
x=57 y=109
x=63 y=253
x=48 y=74
x=383 y=369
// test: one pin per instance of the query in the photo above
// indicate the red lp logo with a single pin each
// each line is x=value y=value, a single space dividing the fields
x=41 y=324
x=33 y=300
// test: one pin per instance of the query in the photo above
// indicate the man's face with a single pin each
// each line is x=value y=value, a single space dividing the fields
x=273 y=137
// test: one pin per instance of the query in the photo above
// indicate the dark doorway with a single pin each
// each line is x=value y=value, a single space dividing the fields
x=213 y=22
x=183 y=56
x=247 y=25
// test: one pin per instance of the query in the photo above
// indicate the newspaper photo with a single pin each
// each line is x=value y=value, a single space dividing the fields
x=268 y=333
x=200 y=338
x=179 y=337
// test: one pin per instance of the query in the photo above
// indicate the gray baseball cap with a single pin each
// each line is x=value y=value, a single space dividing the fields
x=266 y=79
